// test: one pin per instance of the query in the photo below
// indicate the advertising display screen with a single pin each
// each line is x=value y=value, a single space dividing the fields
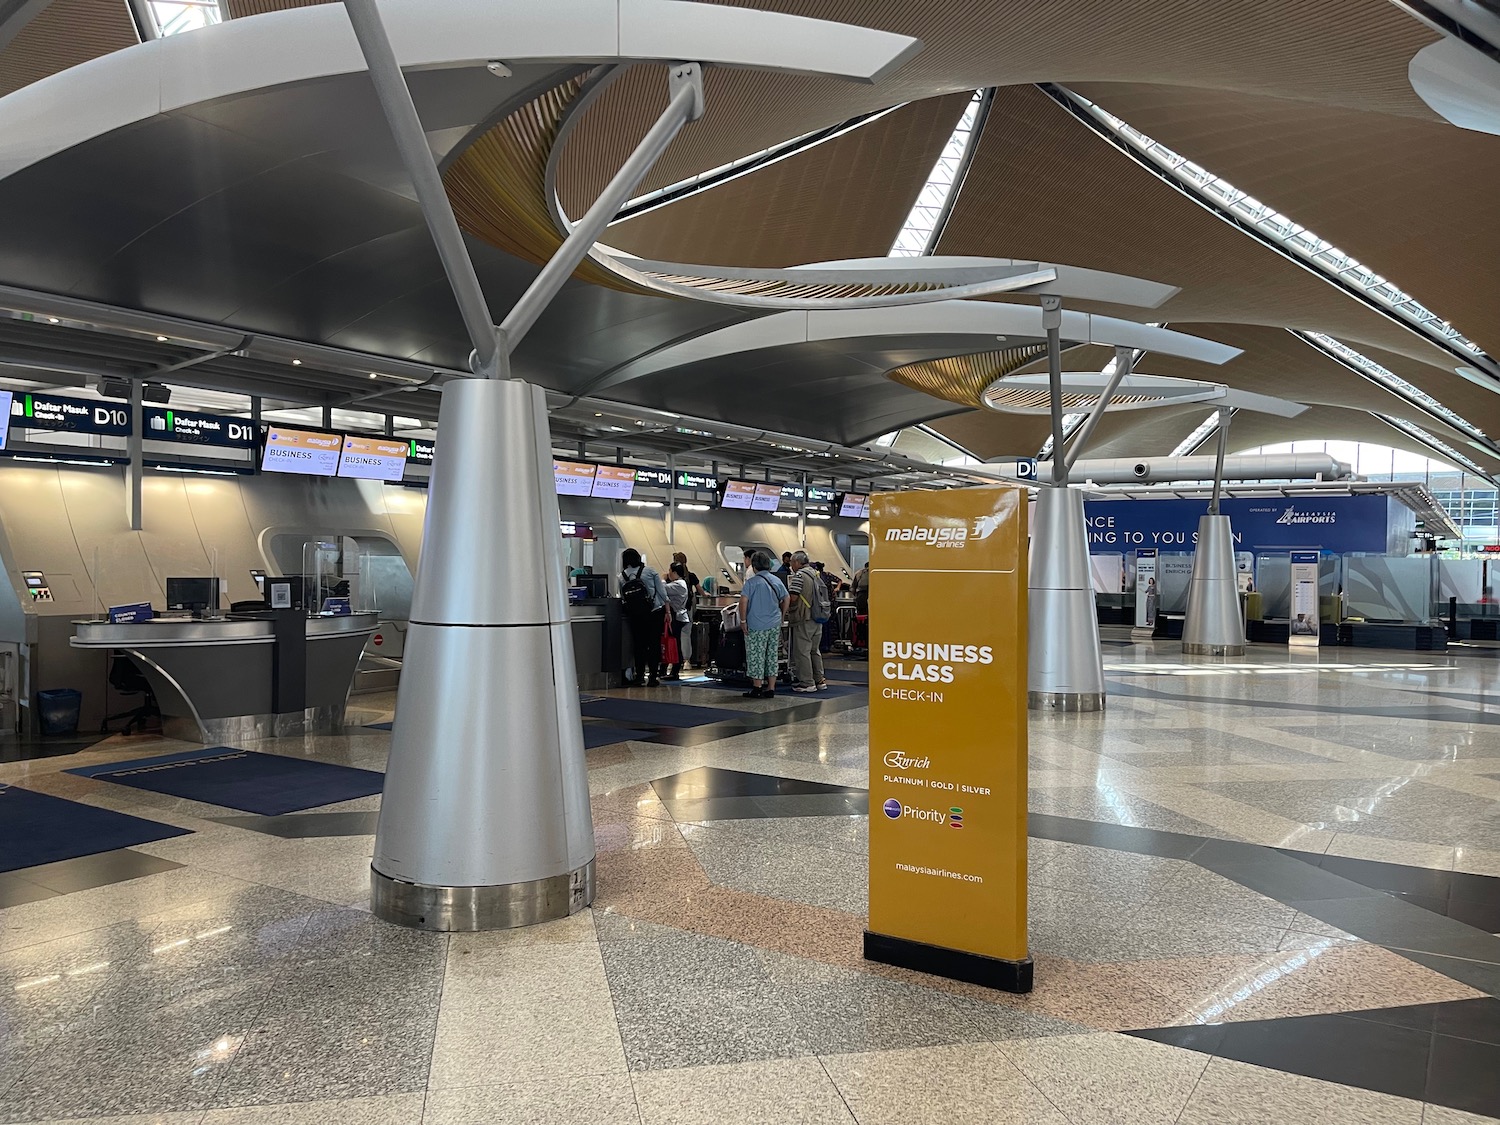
x=373 y=458
x=307 y=452
x=738 y=494
x=573 y=478
x=854 y=505
x=5 y=403
x=767 y=497
x=614 y=482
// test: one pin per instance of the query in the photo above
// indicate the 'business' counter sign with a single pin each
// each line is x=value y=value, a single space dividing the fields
x=948 y=735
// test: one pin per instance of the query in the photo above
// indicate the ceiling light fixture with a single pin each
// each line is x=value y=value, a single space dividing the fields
x=296 y=363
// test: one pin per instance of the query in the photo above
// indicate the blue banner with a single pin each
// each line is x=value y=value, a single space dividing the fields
x=127 y=614
x=1340 y=524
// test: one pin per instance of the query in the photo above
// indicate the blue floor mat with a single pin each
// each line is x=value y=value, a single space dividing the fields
x=36 y=828
x=652 y=714
x=607 y=734
x=267 y=784
x=834 y=690
x=594 y=734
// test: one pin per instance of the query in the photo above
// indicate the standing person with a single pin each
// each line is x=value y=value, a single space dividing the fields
x=643 y=600
x=831 y=580
x=809 y=613
x=862 y=591
x=695 y=589
x=784 y=571
x=763 y=601
x=677 y=615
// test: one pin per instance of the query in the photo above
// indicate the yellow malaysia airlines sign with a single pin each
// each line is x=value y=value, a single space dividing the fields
x=948 y=734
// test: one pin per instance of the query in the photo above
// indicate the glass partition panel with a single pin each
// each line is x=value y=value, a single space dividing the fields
x=1384 y=588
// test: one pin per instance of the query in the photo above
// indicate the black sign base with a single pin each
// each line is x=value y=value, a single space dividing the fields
x=974 y=968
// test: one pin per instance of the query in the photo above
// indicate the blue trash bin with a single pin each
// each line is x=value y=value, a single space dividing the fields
x=58 y=710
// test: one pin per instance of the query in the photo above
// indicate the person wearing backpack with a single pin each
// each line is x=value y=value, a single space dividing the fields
x=643 y=601
x=811 y=608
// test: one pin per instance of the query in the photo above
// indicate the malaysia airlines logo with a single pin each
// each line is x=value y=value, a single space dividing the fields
x=953 y=537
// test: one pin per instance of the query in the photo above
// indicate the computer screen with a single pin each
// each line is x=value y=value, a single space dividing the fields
x=307 y=452
x=373 y=458
x=597 y=585
x=738 y=494
x=196 y=594
x=573 y=478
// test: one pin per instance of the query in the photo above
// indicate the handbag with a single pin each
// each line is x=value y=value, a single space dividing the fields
x=670 y=653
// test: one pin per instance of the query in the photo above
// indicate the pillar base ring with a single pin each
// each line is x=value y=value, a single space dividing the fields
x=1065 y=700
x=467 y=909
x=1193 y=648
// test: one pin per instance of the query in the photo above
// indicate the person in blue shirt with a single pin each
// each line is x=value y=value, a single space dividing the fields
x=763 y=603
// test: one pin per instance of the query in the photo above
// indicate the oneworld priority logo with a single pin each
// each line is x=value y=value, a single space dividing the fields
x=893 y=808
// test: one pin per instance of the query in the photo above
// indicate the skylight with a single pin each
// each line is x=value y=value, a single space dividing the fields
x=1071 y=422
x=919 y=231
x=175 y=16
x=1412 y=430
x=1197 y=437
x=1363 y=365
x=1277 y=229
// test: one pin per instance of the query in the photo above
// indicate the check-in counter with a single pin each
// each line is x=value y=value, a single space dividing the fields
x=599 y=643
x=242 y=677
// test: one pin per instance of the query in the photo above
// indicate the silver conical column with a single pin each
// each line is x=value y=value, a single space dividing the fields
x=485 y=821
x=1067 y=665
x=1213 y=625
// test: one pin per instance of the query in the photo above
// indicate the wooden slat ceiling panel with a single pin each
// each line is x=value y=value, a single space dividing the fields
x=63 y=34
x=1042 y=187
x=1414 y=200
x=1339 y=52
x=234 y=9
x=846 y=198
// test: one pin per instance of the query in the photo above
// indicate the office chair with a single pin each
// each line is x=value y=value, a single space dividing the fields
x=126 y=679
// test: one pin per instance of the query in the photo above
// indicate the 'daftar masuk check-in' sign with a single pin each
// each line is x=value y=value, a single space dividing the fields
x=948 y=734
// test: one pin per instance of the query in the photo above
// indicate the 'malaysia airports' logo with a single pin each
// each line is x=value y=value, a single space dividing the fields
x=1292 y=516
x=982 y=528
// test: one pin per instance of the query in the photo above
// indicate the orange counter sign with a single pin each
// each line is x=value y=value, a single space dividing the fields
x=948 y=734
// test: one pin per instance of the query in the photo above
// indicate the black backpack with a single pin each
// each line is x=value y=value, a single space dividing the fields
x=634 y=597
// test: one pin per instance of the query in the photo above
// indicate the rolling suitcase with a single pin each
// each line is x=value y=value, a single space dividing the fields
x=729 y=658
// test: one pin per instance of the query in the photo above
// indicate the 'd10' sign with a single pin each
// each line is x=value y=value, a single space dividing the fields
x=47 y=412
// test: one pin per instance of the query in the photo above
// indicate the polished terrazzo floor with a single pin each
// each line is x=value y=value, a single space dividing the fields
x=1262 y=890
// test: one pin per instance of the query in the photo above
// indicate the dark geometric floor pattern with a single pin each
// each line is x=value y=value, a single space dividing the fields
x=1448 y=1054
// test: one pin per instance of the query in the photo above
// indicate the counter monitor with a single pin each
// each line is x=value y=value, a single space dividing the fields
x=573 y=478
x=855 y=505
x=373 y=458
x=614 y=482
x=738 y=494
x=307 y=452
x=195 y=594
x=767 y=497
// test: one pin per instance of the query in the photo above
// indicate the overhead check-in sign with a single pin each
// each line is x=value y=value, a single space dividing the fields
x=73 y=415
x=163 y=424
